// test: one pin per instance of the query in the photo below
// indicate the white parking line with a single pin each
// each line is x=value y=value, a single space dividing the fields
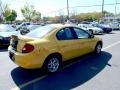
x=28 y=83
x=39 y=78
x=111 y=45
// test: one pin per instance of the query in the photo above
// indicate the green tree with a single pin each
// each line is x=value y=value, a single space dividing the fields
x=107 y=14
x=37 y=17
x=91 y=16
x=30 y=13
x=9 y=14
x=12 y=16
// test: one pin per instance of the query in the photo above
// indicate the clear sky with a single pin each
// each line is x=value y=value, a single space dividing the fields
x=51 y=7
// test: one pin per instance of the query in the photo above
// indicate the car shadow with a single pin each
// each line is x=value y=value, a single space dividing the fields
x=71 y=76
x=111 y=33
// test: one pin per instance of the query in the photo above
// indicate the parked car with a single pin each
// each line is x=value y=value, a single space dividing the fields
x=105 y=27
x=28 y=28
x=22 y=25
x=5 y=33
x=50 y=45
x=91 y=29
x=115 y=25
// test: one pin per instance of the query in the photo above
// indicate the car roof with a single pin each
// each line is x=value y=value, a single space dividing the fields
x=63 y=25
x=56 y=25
x=6 y=27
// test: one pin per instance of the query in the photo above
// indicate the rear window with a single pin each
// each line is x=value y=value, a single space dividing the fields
x=40 y=31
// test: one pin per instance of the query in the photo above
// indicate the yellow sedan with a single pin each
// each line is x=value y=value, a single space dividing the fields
x=48 y=46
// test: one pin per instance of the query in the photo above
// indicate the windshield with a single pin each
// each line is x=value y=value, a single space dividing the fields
x=41 y=31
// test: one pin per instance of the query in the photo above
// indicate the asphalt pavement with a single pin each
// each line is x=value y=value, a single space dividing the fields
x=90 y=72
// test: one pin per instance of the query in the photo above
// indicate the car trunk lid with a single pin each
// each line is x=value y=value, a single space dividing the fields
x=18 y=43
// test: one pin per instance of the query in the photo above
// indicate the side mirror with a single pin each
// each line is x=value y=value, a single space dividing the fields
x=90 y=31
x=91 y=36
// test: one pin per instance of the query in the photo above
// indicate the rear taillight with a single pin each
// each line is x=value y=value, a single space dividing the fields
x=27 y=48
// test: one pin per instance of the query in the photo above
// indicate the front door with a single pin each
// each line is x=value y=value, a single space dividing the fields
x=86 y=43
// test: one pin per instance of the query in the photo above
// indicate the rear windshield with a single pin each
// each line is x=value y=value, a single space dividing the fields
x=40 y=31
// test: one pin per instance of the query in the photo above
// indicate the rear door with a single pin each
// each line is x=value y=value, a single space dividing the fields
x=67 y=43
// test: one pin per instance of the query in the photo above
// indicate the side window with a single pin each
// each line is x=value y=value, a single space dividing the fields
x=81 y=33
x=65 y=34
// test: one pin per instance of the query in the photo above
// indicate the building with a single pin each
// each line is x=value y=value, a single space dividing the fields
x=111 y=19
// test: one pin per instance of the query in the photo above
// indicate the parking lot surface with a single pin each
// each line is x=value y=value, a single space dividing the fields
x=91 y=72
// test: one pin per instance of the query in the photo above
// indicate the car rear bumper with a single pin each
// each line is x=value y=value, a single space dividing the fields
x=27 y=61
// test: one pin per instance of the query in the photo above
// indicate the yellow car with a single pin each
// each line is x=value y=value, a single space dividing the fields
x=48 y=46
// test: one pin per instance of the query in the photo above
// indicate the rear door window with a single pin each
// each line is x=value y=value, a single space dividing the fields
x=65 y=34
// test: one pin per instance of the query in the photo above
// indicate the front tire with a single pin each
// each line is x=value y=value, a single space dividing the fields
x=98 y=48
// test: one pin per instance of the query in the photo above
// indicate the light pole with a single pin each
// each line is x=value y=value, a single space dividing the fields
x=67 y=10
x=115 y=9
x=102 y=9
x=1 y=11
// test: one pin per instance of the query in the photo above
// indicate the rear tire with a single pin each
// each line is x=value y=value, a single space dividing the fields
x=52 y=64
